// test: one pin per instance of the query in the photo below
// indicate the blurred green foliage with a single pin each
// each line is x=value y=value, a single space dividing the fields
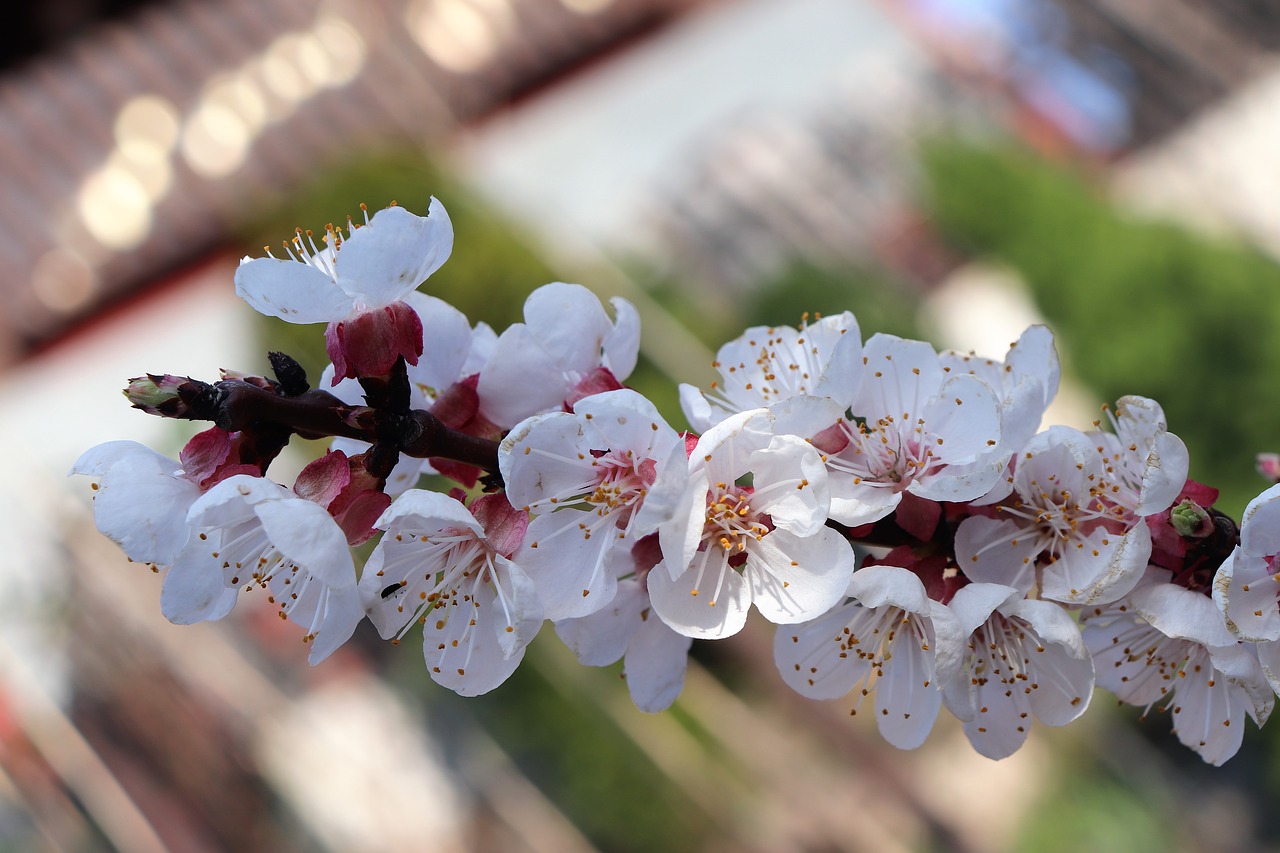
x=1087 y=809
x=1138 y=306
x=556 y=732
x=881 y=302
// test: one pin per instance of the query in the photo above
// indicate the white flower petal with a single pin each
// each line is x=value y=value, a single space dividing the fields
x=1099 y=568
x=994 y=550
x=142 y=500
x=1241 y=666
x=291 y=290
x=1269 y=658
x=1246 y=596
x=430 y=510
x=308 y=536
x=1164 y=474
x=692 y=605
x=1208 y=712
x=967 y=413
x=899 y=373
x=625 y=420
x=339 y=612
x=1181 y=613
x=878 y=586
x=974 y=603
x=570 y=323
x=461 y=648
x=521 y=378
x=697 y=411
x=601 y=638
x=791 y=485
x=1063 y=669
x=793 y=579
x=622 y=344
x=194 y=589
x=1260 y=524
x=655 y=664
x=1035 y=355
x=815 y=659
x=572 y=568
x=446 y=343
x=387 y=259
x=1002 y=720
x=854 y=504
x=518 y=615
x=546 y=457
x=908 y=697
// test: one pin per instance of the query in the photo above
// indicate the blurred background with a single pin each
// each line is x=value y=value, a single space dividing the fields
x=951 y=169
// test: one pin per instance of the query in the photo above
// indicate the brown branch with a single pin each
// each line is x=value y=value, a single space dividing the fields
x=240 y=405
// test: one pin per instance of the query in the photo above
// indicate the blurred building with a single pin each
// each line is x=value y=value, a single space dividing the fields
x=130 y=147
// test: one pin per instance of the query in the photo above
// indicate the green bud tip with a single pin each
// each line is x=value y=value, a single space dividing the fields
x=1191 y=520
x=152 y=391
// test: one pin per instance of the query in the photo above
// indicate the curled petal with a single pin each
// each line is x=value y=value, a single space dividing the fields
x=194 y=590
x=387 y=259
x=622 y=344
x=294 y=292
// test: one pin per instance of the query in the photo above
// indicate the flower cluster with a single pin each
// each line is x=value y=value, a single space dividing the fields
x=894 y=510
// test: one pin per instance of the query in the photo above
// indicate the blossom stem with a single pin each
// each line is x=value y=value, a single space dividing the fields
x=246 y=406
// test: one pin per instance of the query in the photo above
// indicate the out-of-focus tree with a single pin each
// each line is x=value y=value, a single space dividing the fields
x=1138 y=306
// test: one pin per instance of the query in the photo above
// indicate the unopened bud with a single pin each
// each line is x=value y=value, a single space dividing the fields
x=1191 y=520
x=1268 y=465
x=156 y=394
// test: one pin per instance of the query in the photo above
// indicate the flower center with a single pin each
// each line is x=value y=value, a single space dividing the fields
x=620 y=482
x=730 y=522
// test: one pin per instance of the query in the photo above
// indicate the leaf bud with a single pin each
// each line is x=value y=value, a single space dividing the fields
x=157 y=394
x=1191 y=520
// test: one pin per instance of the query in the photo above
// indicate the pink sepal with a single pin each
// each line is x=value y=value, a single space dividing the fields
x=459 y=408
x=1205 y=496
x=204 y=453
x=207 y=459
x=596 y=382
x=324 y=479
x=504 y=525
x=831 y=440
x=356 y=510
x=369 y=343
x=918 y=516
x=347 y=491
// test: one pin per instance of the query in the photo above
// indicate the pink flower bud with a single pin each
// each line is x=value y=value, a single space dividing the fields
x=1268 y=465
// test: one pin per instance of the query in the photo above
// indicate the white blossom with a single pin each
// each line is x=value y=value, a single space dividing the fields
x=439 y=565
x=565 y=340
x=733 y=545
x=249 y=531
x=141 y=499
x=602 y=477
x=1168 y=644
x=768 y=365
x=1025 y=660
x=917 y=429
x=889 y=636
x=375 y=265
x=1059 y=528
